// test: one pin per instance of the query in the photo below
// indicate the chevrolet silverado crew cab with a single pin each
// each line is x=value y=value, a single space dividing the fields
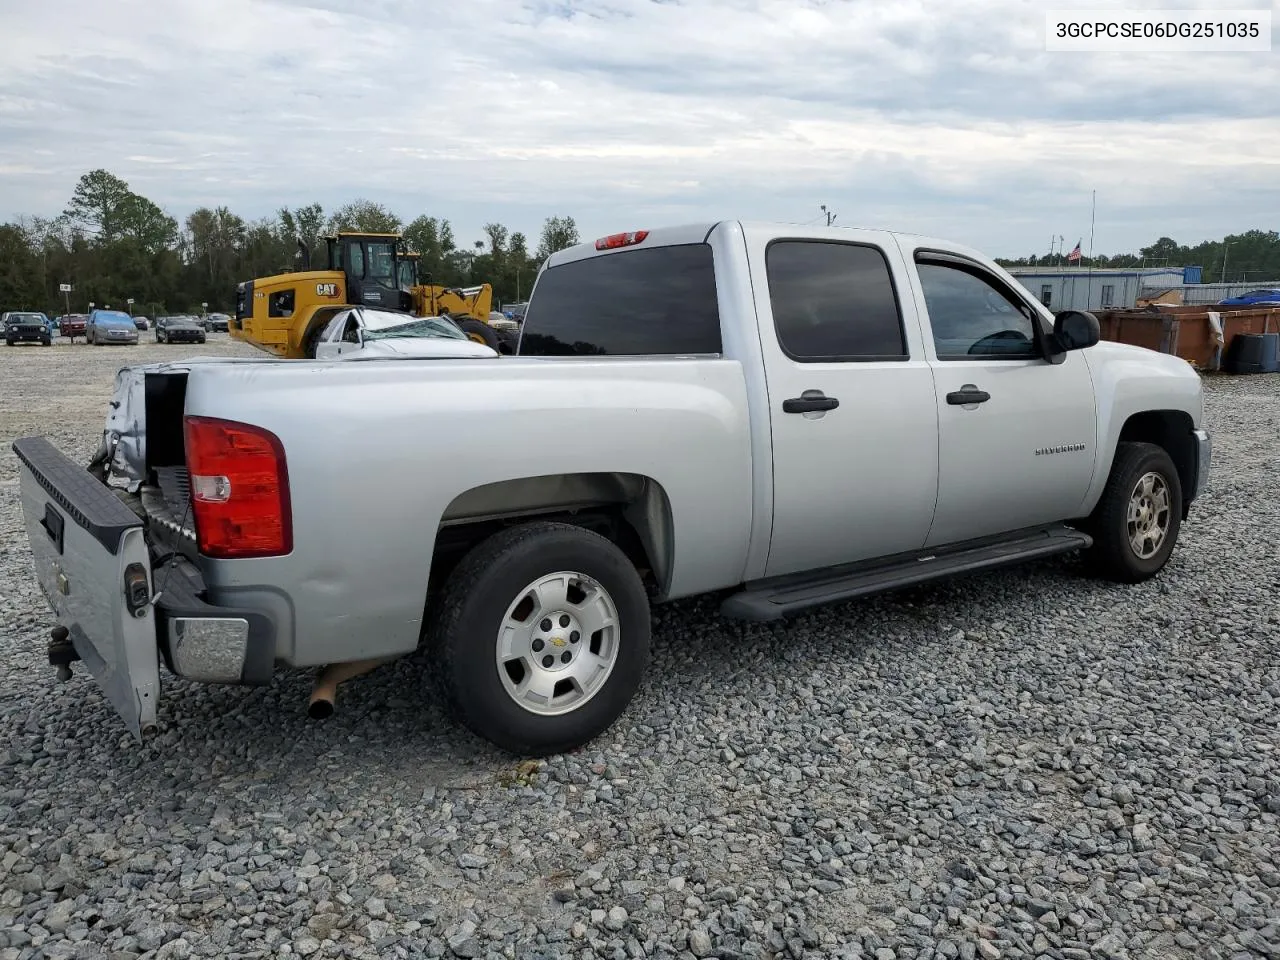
x=787 y=416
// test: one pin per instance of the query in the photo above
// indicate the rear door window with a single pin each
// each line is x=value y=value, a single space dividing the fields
x=633 y=303
x=833 y=301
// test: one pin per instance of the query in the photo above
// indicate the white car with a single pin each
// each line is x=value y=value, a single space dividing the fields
x=362 y=333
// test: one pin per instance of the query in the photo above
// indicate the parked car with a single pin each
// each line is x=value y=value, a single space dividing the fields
x=363 y=333
x=180 y=329
x=140 y=322
x=25 y=326
x=789 y=415
x=217 y=321
x=72 y=325
x=110 y=326
x=1254 y=298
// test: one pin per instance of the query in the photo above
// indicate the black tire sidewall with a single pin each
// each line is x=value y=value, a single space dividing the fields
x=479 y=697
x=1111 y=522
x=488 y=333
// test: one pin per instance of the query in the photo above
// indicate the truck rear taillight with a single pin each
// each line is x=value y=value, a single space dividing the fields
x=615 y=240
x=239 y=489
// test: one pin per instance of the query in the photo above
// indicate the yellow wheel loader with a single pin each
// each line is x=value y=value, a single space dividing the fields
x=285 y=314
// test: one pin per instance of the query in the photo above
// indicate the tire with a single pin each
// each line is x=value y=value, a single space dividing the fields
x=1138 y=475
x=480 y=332
x=508 y=340
x=489 y=587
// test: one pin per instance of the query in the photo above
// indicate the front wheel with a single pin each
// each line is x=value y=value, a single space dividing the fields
x=541 y=637
x=480 y=332
x=1135 y=525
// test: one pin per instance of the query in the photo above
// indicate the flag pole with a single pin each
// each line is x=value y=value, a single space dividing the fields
x=1093 y=212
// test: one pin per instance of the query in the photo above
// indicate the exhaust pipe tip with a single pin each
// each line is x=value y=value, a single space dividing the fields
x=325 y=689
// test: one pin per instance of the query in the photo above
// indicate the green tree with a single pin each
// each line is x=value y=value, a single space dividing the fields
x=366 y=216
x=557 y=234
x=433 y=239
x=20 y=286
x=97 y=204
x=144 y=223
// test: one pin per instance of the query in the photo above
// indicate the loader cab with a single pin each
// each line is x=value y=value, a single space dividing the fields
x=371 y=265
x=409 y=270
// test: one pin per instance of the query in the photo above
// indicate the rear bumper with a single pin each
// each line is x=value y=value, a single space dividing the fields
x=201 y=641
x=122 y=611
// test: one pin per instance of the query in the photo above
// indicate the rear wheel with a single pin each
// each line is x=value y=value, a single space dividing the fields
x=541 y=636
x=480 y=332
x=1136 y=523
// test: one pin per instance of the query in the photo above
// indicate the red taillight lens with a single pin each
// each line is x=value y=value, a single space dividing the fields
x=239 y=489
x=615 y=240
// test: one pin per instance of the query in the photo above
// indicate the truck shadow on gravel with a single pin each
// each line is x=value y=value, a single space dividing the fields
x=392 y=716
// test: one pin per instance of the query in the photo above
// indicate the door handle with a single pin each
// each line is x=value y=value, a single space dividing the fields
x=809 y=404
x=966 y=395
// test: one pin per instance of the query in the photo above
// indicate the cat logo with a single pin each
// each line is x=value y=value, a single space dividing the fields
x=326 y=289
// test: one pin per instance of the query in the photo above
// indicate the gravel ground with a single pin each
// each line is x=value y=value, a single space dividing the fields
x=1017 y=765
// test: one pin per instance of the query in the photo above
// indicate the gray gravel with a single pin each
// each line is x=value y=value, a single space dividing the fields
x=1023 y=764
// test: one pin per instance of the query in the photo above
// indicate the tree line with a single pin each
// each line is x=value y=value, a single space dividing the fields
x=113 y=244
x=1252 y=256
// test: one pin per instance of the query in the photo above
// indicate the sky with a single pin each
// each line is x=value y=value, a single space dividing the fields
x=943 y=117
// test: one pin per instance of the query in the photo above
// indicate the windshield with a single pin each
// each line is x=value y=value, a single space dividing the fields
x=381 y=260
x=29 y=317
x=113 y=317
x=405 y=326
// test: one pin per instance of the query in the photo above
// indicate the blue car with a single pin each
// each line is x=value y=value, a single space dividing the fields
x=1254 y=298
x=110 y=326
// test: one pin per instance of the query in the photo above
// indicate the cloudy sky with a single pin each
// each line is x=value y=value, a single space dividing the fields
x=937 y=116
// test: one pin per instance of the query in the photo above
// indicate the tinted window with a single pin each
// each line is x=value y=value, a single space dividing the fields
x=833 y=301
x=972 y=317
x=661 y=300
x=279 y=304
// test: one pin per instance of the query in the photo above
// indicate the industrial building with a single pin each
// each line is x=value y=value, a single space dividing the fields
x=1100 y=288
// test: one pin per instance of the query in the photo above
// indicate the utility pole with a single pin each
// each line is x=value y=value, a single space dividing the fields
x=831 y=217
x=1225 y=250
x=1088 y=283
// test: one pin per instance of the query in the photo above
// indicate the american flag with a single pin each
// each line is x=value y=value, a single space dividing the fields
x=1074 y=255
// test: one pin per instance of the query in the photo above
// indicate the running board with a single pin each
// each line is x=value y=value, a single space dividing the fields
x=784 y=596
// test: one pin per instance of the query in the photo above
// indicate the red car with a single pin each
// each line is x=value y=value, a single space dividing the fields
x=72 y=325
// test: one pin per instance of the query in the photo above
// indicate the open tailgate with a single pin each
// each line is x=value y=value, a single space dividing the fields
x=93 y=565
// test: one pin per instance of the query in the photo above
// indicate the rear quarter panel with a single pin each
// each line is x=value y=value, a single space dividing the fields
x=377 y=451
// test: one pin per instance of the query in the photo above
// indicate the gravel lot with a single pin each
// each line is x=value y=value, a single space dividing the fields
x=1017 y=765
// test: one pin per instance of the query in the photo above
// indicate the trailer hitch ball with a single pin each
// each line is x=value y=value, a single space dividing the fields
x=62 y=651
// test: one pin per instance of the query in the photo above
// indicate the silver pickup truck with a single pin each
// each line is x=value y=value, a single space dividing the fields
x=790 y=415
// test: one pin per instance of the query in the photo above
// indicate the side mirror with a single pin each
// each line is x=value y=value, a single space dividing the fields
x=1075 y=330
